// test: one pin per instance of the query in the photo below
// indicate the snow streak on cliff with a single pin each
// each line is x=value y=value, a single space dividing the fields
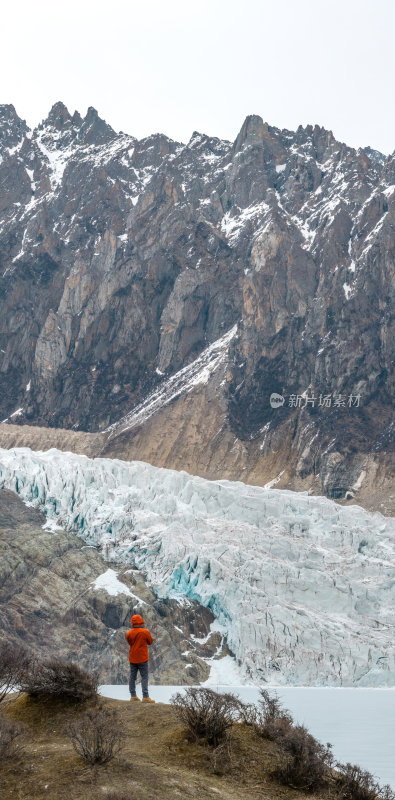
x=182 y=382
x=303 y=587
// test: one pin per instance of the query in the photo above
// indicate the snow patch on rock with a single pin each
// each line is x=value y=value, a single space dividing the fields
x=111 y=584
x=195 y=374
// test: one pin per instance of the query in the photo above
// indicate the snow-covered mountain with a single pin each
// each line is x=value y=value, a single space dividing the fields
x=124 y=261
x=303 y=588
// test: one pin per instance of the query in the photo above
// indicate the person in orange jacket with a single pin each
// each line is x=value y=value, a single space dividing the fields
x=139 y=639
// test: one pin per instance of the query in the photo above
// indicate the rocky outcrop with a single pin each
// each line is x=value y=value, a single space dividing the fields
x=122 y=261
x=54 y=602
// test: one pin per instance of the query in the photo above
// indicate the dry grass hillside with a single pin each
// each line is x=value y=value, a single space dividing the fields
x=156 y=763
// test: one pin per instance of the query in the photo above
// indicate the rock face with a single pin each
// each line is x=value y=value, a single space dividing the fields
x=53 y=600
x=122 y=261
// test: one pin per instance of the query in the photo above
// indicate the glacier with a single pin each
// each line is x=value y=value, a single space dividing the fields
x=304 y=588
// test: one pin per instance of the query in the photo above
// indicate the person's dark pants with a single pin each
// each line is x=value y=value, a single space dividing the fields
x=143 y=670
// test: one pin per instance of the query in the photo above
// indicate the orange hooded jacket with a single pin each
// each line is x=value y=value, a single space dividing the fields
x=139 y=639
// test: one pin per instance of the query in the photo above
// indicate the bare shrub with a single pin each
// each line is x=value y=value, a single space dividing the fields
x=60 y=679
x=272 y=721
x=9 y=733
x=97 y=736
x=206 y=714
x=249 y=714
x=354 y=783
x=305 y=762
x=13 y=664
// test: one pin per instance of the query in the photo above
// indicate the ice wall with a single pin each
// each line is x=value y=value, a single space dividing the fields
x=305 y=588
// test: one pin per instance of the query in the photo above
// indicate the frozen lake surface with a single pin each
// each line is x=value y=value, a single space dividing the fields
x=359 y=723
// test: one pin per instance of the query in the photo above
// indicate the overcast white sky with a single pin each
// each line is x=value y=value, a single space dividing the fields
x=176 y=66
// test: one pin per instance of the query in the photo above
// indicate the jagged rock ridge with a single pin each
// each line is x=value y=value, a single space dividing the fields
x=122 y=260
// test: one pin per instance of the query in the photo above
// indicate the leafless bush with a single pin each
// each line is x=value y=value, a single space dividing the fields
x=13 y=665
x=9 y=732
x=354 y=783
x=272 y=721
x=61 y=679
x=206 y=714
x=97 y=736
x=305 y=762
x=249 y=714
x=269 y=719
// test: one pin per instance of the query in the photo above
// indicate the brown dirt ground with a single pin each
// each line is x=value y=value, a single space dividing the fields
x=156 y=763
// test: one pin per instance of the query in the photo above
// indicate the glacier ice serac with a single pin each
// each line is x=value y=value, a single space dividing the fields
x=304 y=588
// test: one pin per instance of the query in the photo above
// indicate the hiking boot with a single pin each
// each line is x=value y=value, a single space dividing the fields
x=148 y=700
x=135 y=698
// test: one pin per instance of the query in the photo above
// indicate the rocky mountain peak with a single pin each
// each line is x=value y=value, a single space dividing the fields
x=77 y=119
x=252 y=132
x=197 y=140
x=317 y=140
x=12 y=128
x=374 y=155
x=91 y=129
x=94 y=129
x=205 y=145
x=58 y=117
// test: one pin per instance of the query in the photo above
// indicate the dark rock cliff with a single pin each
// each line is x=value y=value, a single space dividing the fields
x=122 y=260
